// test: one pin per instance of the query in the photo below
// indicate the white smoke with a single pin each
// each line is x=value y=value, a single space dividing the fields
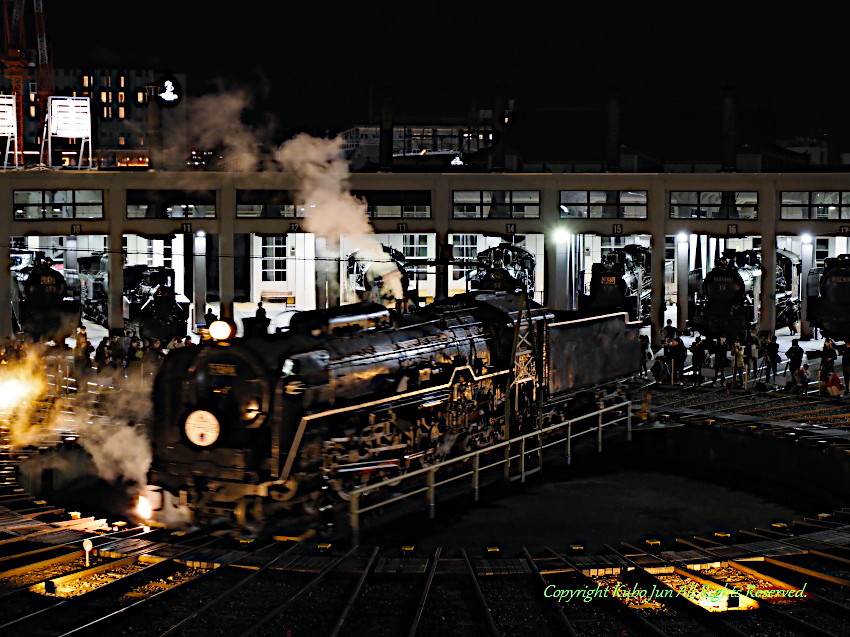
x=214 y=122
x=331 y=210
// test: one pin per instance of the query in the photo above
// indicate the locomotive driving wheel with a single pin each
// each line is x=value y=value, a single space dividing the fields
x=249 y=512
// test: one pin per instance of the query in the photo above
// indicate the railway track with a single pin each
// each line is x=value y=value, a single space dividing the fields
x=152 y=582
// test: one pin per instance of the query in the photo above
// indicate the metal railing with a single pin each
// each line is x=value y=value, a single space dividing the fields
x=475 y=457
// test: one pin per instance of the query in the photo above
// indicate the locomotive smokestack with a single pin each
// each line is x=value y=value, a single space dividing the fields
x=385 y=144
x=728 y=130
x=613 y=149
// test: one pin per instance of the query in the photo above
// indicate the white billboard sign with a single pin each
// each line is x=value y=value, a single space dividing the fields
x=70 y=117
x=8 y=119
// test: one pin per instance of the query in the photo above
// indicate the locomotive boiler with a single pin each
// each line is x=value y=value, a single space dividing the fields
x=286 y=423
x=829 y=298
x=151 y=307
x=45 y=301
x=621 y=282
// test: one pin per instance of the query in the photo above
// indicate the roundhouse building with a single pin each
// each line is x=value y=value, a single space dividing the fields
x=239 y=237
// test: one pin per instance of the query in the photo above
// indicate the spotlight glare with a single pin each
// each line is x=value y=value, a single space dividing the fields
x=562 y=235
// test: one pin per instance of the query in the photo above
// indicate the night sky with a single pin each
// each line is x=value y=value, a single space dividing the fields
x=314 y=66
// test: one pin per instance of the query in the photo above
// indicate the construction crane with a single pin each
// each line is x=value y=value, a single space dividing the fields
x=18 y=68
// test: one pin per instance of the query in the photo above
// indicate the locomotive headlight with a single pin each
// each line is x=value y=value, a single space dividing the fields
x=221 y=330
x=202 y=428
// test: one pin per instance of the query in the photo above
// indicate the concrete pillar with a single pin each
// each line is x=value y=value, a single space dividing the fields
x=556 y=279
x=441 y=204
x=226 y=207
x=767 y=228
x=199 y=283
x=682 y=260
x=70 y=260
x=807 y=262
x=115 y=214
x=657 y=214
x=115 y=309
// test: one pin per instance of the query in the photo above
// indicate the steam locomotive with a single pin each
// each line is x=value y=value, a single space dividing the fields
x=289 y=423
x=378 y=277
x=621 y=282
x=506 y=267
x=152 y=309
x=723 y=303
x=45 y=302
x=829 y=298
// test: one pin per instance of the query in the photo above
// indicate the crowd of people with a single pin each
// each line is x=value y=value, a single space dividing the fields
x=126 y=356
x=755 y=358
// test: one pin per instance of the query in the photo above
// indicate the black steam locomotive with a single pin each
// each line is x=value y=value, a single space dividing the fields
x=621 y=282
x=507 y=267
x=723 y=303
x=151 y=307
x=370 y=275
x=829 y=298
x=45 y=302
x=284 y=423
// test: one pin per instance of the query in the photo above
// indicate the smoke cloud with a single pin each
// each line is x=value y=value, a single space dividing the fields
x=331 y=210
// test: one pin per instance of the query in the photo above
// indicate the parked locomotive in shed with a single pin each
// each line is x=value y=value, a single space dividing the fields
x=151 y=307
x=723 y=304
x=505 y=267
x=45 y=301
x=829 y=298
x=277 y=423
x=621 y=282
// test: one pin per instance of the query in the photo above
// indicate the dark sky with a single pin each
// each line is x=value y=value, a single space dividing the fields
x=314 y=65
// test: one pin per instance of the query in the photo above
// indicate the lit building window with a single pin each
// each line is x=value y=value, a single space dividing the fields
x=122 y=141
x=464 y=248
x=603 y=204
x=121 y=95
x=103 y=95
x=121 y=114
x=714 y=205
x=415 y=246
x=121 y=81
x=274 y=258
x=32 y=111
x=496 y=204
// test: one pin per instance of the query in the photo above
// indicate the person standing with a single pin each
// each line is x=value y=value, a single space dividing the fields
x=678 y=355
x=721 y=348
x=738 y=364
x=771 y=355
x=828 y=357
x=752 y=345
x=795 y=355
x=669 y=331
x=697 y=359
x=645 y=355
x=792 y=314
x=845 y=367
